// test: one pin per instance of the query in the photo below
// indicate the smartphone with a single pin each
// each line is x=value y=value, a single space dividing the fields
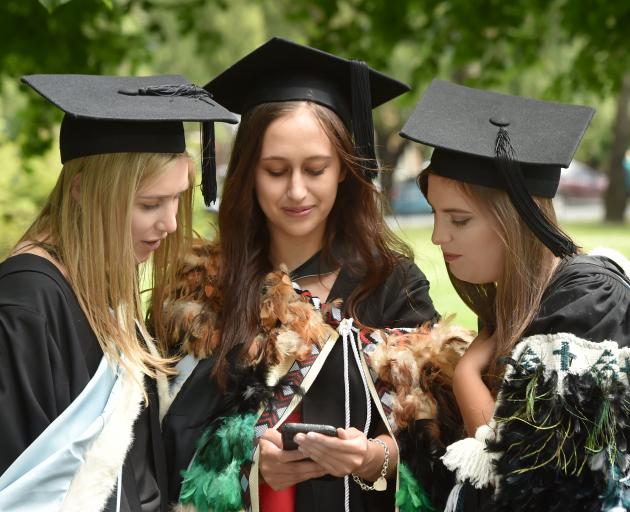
x=288 y=431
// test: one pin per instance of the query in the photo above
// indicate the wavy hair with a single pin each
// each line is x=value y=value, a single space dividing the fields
x=357 y=216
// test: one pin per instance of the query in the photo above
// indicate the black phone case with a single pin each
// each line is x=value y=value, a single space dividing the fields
x=289 y=430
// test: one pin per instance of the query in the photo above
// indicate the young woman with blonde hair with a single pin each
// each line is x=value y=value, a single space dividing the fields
x=80 y=429
x=550 y=317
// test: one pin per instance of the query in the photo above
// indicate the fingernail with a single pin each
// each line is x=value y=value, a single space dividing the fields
x=298 y=438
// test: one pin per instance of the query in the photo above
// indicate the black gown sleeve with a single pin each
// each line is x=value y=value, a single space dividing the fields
x=48 y=354
x=30 y=397
x=402 y=300
x=587 y=301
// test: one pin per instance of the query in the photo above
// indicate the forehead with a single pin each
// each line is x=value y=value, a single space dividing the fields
x=296 y=130
x=448 y=193
x=172 y=178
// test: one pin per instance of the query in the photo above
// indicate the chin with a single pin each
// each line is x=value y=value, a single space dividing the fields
x=468 y=277
x=142 y=258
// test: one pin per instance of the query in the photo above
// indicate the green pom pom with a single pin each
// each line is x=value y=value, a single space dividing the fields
x=213 y=480
x=411 y=496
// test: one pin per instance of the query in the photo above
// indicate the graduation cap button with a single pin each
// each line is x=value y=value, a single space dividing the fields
x=499 y=121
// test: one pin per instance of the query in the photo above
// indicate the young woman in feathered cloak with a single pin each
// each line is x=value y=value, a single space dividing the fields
x=543 y=389
x=299 y=206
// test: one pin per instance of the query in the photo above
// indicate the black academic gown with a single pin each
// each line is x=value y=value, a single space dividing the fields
x=588 y=297
x=402 y=301
x=48 y=354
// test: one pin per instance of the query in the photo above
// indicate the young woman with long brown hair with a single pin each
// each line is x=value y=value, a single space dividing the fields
x=298 y=195
x=546 y=310
x=80 y=428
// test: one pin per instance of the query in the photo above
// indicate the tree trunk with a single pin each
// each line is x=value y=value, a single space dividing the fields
x=616 y=196
x=389 y=150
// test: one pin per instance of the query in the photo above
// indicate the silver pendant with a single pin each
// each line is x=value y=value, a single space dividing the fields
x=380 y=484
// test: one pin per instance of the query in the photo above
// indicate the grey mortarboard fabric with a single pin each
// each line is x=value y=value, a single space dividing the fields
x=496 y=140
x=282 y=70
x=116 y=114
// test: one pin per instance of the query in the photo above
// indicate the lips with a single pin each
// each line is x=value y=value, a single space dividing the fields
x=297 y=211
x=152 y=245
x=450 y=257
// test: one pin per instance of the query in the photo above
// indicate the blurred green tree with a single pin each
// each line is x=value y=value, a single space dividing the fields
x=569 y=50
x=575 y=47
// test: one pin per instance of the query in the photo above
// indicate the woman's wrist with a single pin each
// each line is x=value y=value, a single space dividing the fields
x=374 y=461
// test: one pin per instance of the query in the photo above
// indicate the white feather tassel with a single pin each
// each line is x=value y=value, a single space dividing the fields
x=470 y=460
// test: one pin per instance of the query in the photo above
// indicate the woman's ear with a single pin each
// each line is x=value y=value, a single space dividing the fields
x=342 y=174
x=75 y=188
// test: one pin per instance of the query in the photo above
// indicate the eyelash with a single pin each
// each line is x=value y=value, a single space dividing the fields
x=149 y=207
x=460 y=223
x=312 y=172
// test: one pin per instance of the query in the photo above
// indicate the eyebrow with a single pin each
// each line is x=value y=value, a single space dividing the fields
x=314 y=157
x=456 y=210
x=163 y=196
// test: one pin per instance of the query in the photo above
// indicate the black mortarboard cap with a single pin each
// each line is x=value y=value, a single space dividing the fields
x=496 y=140
x=281 y=70
x=119 y=114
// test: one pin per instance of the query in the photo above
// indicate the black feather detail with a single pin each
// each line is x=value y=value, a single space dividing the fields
x=423 y=442
x=421 y=453
x=549 y=442
x=246 y=391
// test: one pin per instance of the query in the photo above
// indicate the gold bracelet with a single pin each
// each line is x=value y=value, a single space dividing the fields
x=381 y=483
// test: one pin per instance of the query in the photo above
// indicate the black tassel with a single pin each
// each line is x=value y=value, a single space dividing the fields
x=362 y=123
x=527 y=208
x=187 y=90
x=208 y=154
x=208 y=164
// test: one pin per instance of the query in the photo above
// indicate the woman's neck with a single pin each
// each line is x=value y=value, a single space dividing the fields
x=292 y=252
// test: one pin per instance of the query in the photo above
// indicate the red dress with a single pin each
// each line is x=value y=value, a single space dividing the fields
x=279 y=501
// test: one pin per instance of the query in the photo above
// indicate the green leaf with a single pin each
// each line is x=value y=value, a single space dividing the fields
x=51 y=5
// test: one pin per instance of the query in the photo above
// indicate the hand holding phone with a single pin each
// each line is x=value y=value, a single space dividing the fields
x=289 y=430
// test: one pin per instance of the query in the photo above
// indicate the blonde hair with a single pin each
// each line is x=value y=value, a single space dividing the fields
x=93 y=240
x=510 y=305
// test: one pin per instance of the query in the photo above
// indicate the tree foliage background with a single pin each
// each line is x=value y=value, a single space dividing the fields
x=565 y=50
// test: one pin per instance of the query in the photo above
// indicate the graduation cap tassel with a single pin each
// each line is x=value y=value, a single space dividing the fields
x=187 y=90
x=362 y=123
x=208 y=164
x=525 y=205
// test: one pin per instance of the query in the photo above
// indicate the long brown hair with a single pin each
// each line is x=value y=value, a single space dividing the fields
x=510 y=305
x=356 y=215
x=93 y=241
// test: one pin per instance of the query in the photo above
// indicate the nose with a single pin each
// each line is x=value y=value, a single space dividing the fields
x=168 y=220
x=440 y=234
x=297 y=187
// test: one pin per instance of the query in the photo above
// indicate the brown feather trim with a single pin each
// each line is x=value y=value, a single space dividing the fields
x=193 y=312
x=419 y=365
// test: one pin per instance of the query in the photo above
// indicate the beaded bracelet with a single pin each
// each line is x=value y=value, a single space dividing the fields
x=381 y=482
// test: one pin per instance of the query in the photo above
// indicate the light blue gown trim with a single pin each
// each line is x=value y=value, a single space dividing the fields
x=39 y=478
